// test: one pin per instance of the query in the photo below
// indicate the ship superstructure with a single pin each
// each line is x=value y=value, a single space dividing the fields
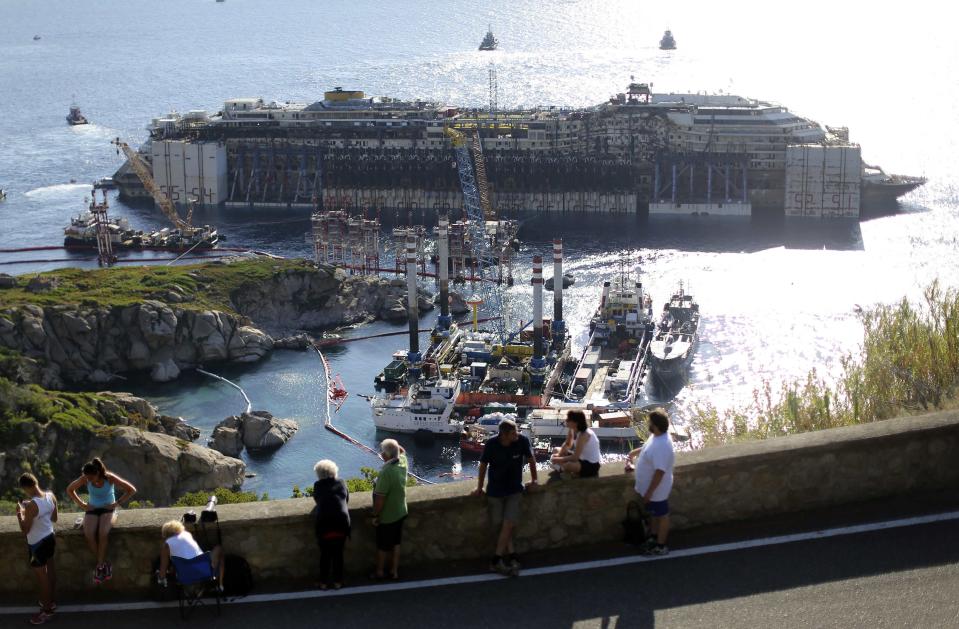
x=668 y=152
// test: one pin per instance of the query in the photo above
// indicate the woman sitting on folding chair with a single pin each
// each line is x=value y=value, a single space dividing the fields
x=180 y=549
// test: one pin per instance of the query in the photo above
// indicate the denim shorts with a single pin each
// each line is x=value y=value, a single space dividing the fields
x=658 y=509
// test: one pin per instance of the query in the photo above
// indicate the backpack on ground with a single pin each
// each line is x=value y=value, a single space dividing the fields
x=237 y=576
x=636 y=524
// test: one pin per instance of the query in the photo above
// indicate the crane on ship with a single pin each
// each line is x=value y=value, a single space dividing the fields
x=476 y=202
x=143 y=172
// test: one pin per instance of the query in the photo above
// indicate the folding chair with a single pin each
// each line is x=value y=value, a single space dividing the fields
x=194 y=578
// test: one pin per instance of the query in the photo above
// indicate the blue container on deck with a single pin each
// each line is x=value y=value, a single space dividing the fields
x=479 y=357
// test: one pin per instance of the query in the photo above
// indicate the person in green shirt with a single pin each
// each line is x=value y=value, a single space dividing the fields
x=389 y=508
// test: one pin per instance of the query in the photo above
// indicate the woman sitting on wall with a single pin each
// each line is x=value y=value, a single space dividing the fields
x=579 y=455
x=100 y=507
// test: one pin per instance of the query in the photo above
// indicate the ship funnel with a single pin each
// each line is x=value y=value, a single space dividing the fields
x=605 y=294
x=443 y=251
x=559 y=327
x=412 y=302
x=538 y=306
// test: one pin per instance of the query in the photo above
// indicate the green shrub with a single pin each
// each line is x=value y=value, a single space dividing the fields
x=365 y=483
x=223 y=496
x=141 y=504
x=908 y=363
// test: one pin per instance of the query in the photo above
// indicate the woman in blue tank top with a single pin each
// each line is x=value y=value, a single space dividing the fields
x=100 y=508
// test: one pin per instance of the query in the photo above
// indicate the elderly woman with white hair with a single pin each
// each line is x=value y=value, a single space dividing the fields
x=389 y=508
x=332 y=522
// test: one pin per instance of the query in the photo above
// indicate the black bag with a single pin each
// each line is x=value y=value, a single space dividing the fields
x=636 y=524
x=237 y=577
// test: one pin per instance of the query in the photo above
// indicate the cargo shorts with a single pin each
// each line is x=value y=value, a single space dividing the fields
x=504 y=508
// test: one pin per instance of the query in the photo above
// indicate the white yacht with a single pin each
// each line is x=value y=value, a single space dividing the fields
x=425 y=407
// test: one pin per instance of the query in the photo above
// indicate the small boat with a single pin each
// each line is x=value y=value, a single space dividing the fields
x=3 y=195
x=36 y=38
x=474 y=437
x=672 y=349
x=568 y=280
x=75 y=118
x=667 y=42
x=489 y=41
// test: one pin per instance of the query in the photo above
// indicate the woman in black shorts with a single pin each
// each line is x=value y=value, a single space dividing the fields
x=580 y=454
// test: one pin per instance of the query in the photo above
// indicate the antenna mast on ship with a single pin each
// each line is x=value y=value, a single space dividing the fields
x=493 y=91
x=105 y=256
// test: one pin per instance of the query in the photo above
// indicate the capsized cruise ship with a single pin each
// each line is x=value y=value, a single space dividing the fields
x=638 y=151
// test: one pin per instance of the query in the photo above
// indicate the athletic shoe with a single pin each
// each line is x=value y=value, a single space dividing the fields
x=98 y=574
x=513 y=566
x=107 y=571
x=500 y=566
x=657 y=549
x=40 y=618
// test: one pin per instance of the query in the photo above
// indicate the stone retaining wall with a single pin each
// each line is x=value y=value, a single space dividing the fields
x=716 y=485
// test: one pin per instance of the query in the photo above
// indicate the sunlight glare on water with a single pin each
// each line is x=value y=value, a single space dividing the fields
x=776 y=301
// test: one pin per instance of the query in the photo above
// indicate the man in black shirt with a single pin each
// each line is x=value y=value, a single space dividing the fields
x=504 y=456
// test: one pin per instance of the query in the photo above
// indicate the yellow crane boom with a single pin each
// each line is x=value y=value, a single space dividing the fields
x=143 y=172
x=462 y=146
x=488 y=212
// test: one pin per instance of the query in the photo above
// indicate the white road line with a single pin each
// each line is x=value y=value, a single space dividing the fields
x=532 y=572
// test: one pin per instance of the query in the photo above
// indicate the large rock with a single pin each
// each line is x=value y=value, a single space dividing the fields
x=96 y=344
x=133 y=404
x=161 y=466
x=316 y=298
x=7 y=281
x=458 y=304
x=164 y=467
x=262 y=431
x=394 y=311
x=165 y=371
x=42 y=284
x=300 y=341
x=226 y=441
x=177 y=427
x=258 y=430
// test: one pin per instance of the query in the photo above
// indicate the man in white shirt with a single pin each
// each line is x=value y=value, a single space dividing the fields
x=654 y=479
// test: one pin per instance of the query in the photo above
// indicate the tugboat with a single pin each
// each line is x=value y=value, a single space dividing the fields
x=676 y=337
x=568 y=280
x=667 y=42
x=489 y=42
x=75 y=117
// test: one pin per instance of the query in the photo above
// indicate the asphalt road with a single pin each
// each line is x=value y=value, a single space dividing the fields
x=903 y=577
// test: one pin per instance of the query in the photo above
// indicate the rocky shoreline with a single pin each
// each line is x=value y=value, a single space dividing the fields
x=155 y=451
x=94 y=344
x=64 y=328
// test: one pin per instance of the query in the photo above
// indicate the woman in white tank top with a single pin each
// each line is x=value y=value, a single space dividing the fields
x=36 y=517
x=580 y=454
x=179 y=543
